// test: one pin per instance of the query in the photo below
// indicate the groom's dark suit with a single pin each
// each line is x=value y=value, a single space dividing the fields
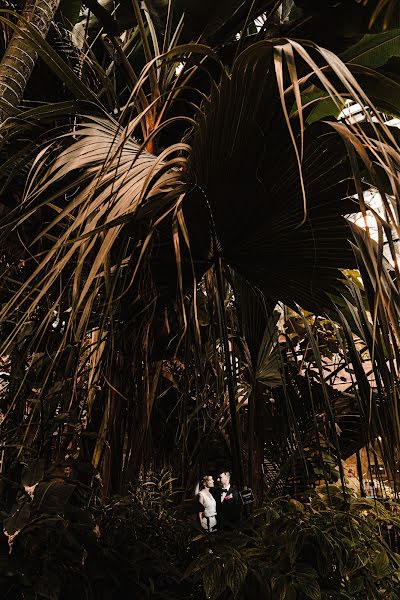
x=228 y=508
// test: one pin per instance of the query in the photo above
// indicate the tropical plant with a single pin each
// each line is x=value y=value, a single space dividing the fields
x=181 y=187
x=61 y=543
x=335 y=547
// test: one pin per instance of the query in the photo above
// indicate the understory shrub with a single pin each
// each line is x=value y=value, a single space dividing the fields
x=337 y=547
x=57 y=544
x=60 y=544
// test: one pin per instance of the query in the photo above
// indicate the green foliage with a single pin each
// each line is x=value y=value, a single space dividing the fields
x=149 y=515
x=374 y=50
x=61 y=547
x=334 y=548
x=52 y=545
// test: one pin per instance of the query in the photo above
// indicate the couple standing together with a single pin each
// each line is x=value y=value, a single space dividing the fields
x=221 y=504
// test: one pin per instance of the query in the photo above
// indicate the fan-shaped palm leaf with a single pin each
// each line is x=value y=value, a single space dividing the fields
x=275 y=196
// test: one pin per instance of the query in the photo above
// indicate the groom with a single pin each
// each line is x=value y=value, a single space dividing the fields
x=227 y=500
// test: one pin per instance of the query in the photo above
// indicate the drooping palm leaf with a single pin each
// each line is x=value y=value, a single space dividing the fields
x=114 y=176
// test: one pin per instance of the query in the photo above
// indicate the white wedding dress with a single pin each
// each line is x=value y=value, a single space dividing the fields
x=209 y=521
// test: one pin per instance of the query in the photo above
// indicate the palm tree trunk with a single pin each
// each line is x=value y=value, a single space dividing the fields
x=20 y=58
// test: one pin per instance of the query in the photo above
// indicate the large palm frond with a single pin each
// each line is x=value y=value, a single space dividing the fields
x=114 y=178
x=275 y=195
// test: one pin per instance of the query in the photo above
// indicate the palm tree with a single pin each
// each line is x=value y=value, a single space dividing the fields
x=188 y=168
x=20 y=56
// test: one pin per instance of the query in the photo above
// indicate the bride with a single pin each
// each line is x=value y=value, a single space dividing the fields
x=208 y=518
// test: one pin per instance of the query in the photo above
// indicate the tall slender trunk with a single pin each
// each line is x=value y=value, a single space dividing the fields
x=19 y=58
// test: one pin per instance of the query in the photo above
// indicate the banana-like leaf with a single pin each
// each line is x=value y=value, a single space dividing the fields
x=383 y=92
x=374 y=50
x=325 y=106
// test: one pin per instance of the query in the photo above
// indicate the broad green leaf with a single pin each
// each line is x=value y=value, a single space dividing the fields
x=311 y=589
x=356 y=584
x=319 y=105
x=284 y=589
x=325 y=107
x=381 y=565
x=201 y=564
x=374 y=50
x=213 y=580
x=294 y=543
x=306 y=581
x=383 y=91
x=236 y=572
